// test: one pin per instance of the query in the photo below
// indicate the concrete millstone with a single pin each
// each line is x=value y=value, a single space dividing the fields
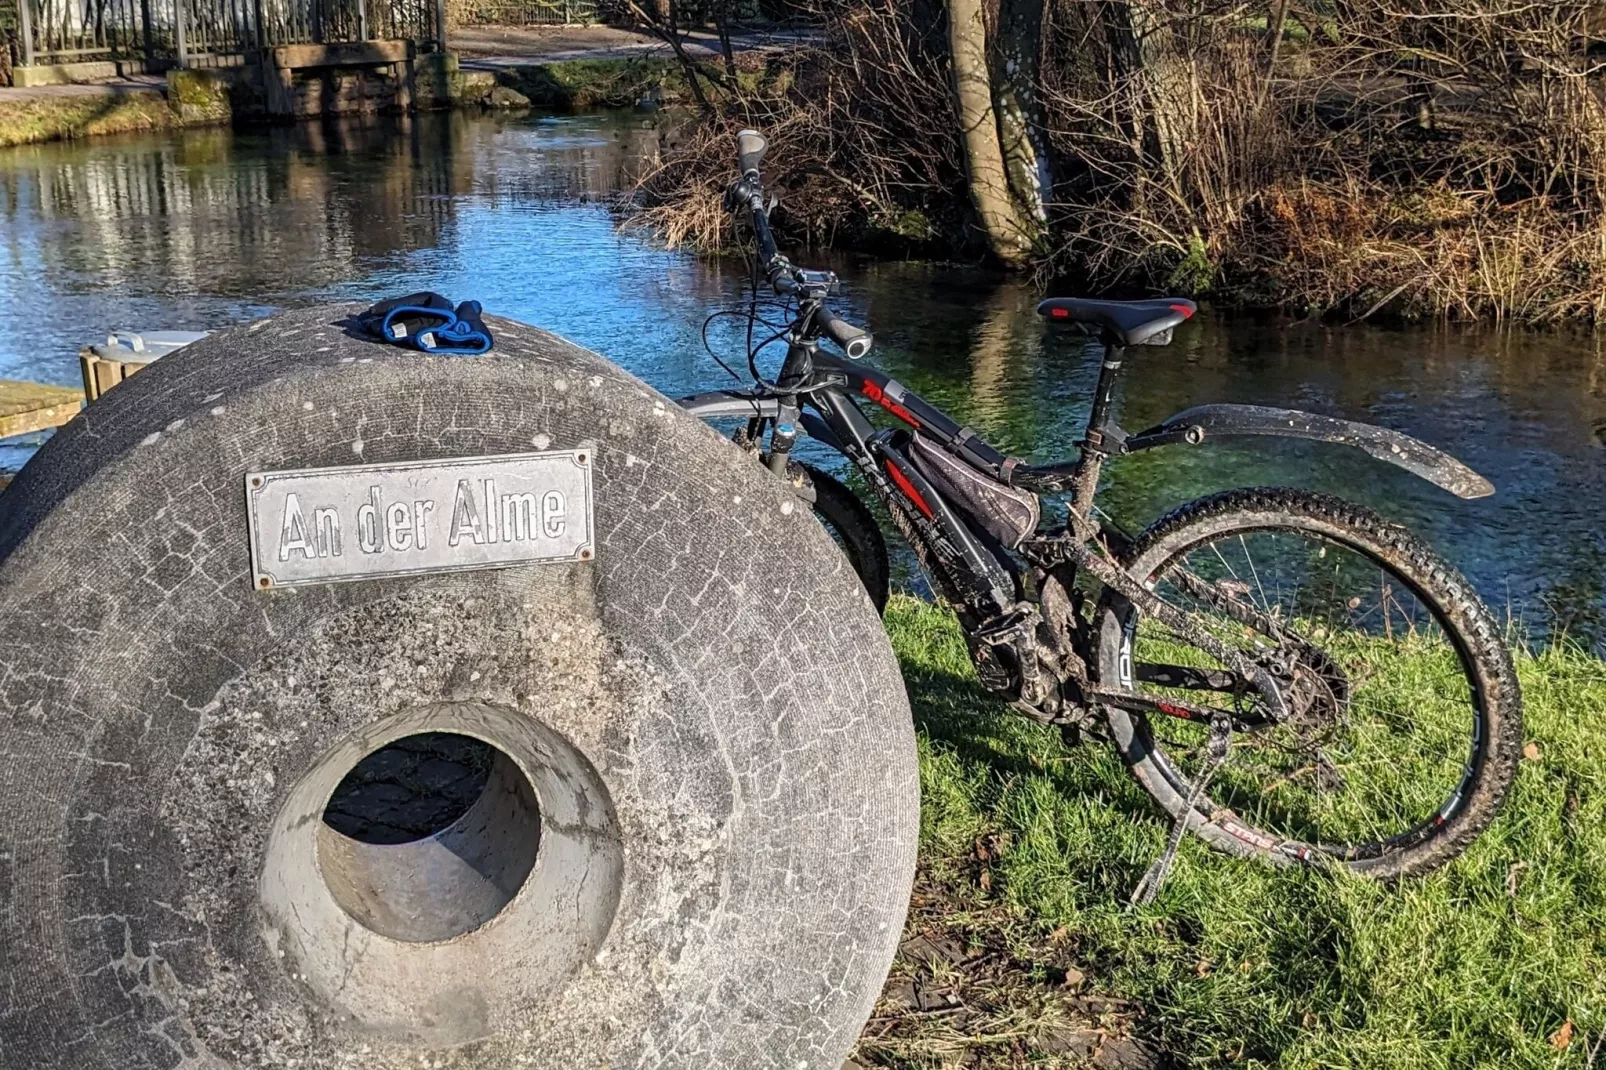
x=702 y=731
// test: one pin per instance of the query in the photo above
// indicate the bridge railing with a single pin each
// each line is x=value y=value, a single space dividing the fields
x=165 y=33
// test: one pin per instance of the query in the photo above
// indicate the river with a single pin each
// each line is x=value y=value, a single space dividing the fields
x=198 y=229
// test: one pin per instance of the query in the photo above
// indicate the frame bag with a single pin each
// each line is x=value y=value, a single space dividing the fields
x=1006 y=513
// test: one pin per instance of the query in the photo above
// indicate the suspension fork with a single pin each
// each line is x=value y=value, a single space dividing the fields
x=797 y=370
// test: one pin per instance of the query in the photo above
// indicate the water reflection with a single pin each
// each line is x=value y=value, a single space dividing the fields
x=199 y=229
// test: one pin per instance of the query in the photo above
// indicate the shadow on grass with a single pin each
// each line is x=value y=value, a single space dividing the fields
x=1494 y=960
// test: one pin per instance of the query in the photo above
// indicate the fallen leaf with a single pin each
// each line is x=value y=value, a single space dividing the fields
x=1531 y=752
x=1202 y=968
x=986 y=880
x=1563 y=1036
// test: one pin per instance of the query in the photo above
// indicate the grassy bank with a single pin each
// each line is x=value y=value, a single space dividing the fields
x=23 y=122
x=570 y=85
x=1497 y=960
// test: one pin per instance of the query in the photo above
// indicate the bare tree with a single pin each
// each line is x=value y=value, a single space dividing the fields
x=1009 y=230
x=1017 y=55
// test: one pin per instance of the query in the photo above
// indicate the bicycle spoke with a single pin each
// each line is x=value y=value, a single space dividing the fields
x=1367 y=762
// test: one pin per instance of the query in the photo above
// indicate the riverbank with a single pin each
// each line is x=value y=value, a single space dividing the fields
x=1357 y=167
x=190 y=98
x=1493 y=961
x=49 y=113
x=558 y=68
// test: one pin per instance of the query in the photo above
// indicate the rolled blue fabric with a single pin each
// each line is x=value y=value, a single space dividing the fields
x=427 y=321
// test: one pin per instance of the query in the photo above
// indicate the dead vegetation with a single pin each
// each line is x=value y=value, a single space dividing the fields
x=973 y=987
x=864 y=144
x=1440 y=158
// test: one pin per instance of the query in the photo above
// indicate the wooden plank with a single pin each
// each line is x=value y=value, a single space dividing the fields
x=26 y=407
x=100 y=374
x=351 y=54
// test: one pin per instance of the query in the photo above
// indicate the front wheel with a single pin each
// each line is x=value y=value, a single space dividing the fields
x=1402 y=718
x=850 y=522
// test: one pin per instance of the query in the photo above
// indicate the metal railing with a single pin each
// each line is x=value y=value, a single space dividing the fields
x=167 y=32
x=525 y=12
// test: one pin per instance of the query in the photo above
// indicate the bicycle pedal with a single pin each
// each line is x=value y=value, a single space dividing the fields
x=1006 y=629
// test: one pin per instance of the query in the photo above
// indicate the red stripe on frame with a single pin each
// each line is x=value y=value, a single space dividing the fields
x=877 y=395
x=909 y=488
x=1182 y=310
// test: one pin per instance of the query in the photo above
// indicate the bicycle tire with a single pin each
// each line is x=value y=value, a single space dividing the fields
x=854 y=528
x=1497 y=724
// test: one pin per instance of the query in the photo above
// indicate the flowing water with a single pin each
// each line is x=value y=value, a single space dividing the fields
x=199 y=229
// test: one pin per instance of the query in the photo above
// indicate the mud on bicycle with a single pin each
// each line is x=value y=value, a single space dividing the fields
x=1290 y=676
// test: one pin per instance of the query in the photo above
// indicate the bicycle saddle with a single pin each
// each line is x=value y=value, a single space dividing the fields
x=1123 y=323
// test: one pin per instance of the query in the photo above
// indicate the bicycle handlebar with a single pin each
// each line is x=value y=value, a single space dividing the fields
x=748 y=192
x=853 y=341
x=750 y=149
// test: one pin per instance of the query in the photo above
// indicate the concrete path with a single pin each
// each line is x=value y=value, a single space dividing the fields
x=489 y=47
x=114 y=87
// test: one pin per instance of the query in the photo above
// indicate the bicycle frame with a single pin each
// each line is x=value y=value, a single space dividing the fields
x=818 y=393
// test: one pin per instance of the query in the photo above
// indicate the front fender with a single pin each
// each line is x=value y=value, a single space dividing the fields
x=723 y=403
x=1207 y=422
x=719 y=404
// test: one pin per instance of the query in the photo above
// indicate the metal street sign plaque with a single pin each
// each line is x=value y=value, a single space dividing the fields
x=326 y=525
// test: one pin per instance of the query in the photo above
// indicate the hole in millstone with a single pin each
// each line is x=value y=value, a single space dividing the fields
x=429 y=837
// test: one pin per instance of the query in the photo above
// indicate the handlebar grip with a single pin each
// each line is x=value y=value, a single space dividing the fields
x=750 y=149
x=854 y=342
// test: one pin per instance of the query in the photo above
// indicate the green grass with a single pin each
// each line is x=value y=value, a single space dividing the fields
x=1479 y=964
x=55 y=118
x=589 y=83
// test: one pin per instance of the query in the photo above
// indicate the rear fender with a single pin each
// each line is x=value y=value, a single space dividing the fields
x=1206 y=423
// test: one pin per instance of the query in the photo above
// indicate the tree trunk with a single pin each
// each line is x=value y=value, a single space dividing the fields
x=1015 y=72
x=1155 y=90
x=1008 y=233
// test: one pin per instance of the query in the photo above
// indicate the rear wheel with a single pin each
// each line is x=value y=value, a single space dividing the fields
x=855 y=530
x=1403 y=716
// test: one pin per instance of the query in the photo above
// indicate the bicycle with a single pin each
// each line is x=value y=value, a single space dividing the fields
x=1288 y=675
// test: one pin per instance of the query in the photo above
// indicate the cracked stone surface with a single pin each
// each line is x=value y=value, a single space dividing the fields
x=717 y=665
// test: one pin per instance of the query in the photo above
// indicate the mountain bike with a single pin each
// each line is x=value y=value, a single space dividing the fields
x=1288 y=675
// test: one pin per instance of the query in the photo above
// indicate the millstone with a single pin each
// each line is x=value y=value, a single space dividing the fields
x=652 y=804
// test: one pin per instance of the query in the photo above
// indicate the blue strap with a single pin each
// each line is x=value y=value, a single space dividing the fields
x=405 y=323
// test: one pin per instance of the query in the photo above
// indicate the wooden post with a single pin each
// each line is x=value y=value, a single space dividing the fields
x=25 y=16
x=178 y=33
